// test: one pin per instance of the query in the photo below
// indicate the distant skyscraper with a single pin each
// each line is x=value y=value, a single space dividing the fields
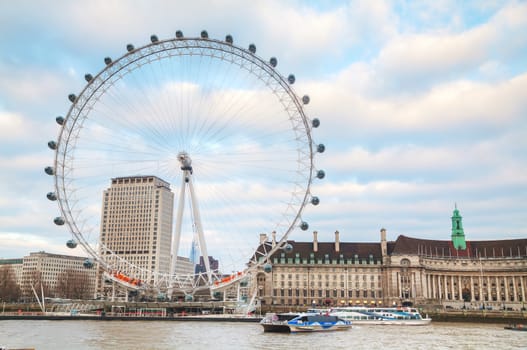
x=213 y=263
x=136 y=223
x=194 y=251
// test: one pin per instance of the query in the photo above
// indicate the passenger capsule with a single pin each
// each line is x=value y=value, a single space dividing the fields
x=268 y=268
x=304 y=226
x=273 y=61
x=315 y=122
x=52 y=145
x=291 y=79
x=49 y=170
x=71 y=244
x=204 y=34
x=60 y=120
x=88 y=263
x=88 y=77
x=315 y=201
x=305 y=99
x=154 y=38
x=59 y=221
x=107 y=61
x=130 y=47
x=51 y=196
x=321 y=148
x=252 y=48
x=179 y=34
x=72 y=97
x=228 y=39
x=288 y=248
x=321 y=174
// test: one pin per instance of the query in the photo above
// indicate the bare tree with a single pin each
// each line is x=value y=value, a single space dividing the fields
x=37 y=282
x=73 y=284
x=9 y=289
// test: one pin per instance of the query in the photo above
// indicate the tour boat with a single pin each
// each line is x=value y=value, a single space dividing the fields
x=303 y=322
x=406 y=316
x=516 y=327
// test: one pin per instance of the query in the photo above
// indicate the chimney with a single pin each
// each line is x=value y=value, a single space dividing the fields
x=263 y=238
x=384 y=245
x=337 y=241
x=315 y=241
x=274 y=238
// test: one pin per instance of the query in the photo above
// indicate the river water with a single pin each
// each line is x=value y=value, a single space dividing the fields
x=43 y=335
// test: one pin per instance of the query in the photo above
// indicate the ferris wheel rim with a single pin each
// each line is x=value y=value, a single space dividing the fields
x=135 y=57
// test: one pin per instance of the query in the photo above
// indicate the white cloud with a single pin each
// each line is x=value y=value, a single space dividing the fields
x=419 y=209
x=27 y=85
x=419 y=109
x=474 y=159
x=27 y=162
x=20 y=244
x=300 y=36
x=460 y=105
x=415 y=61
x=12 y=126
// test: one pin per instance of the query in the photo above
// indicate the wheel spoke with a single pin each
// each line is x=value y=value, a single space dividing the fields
x=231 y=112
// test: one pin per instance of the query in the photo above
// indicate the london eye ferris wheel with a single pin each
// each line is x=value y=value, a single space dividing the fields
x=215 y=121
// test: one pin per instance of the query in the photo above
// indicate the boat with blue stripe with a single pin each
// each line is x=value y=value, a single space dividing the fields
x=406 y=316
x=303 y=322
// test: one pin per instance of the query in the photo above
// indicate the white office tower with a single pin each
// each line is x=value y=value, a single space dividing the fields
x=136 y=225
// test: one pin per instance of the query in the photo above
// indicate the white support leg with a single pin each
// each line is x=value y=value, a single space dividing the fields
x=177 y=232
x=199 y=228
x=187 y=183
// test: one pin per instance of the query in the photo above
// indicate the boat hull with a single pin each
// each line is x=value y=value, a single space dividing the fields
x=277 y=328
x=318 y=328
x=305 y=322
x=516 y=327
x=422 y=322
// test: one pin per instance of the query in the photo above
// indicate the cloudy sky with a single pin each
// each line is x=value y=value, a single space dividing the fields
x=423 y=105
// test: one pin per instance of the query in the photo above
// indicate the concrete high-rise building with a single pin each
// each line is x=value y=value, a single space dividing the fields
x=61 y=275
x=10 y=279
x=16 y=266
x=136 y=225
x=184 y=266
x=213 y=263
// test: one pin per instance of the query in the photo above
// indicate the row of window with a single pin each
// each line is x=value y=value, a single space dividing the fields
x=123 y=193
x=298 y=261
x=313 y=270
x=327 y=277
x=357 y=285
x=132 y=218
x=327 y=293
x=136 y=180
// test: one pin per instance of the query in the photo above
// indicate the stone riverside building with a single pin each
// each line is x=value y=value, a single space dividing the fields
x=452 y=273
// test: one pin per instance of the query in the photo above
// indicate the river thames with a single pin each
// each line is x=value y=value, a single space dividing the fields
x=43 y=335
